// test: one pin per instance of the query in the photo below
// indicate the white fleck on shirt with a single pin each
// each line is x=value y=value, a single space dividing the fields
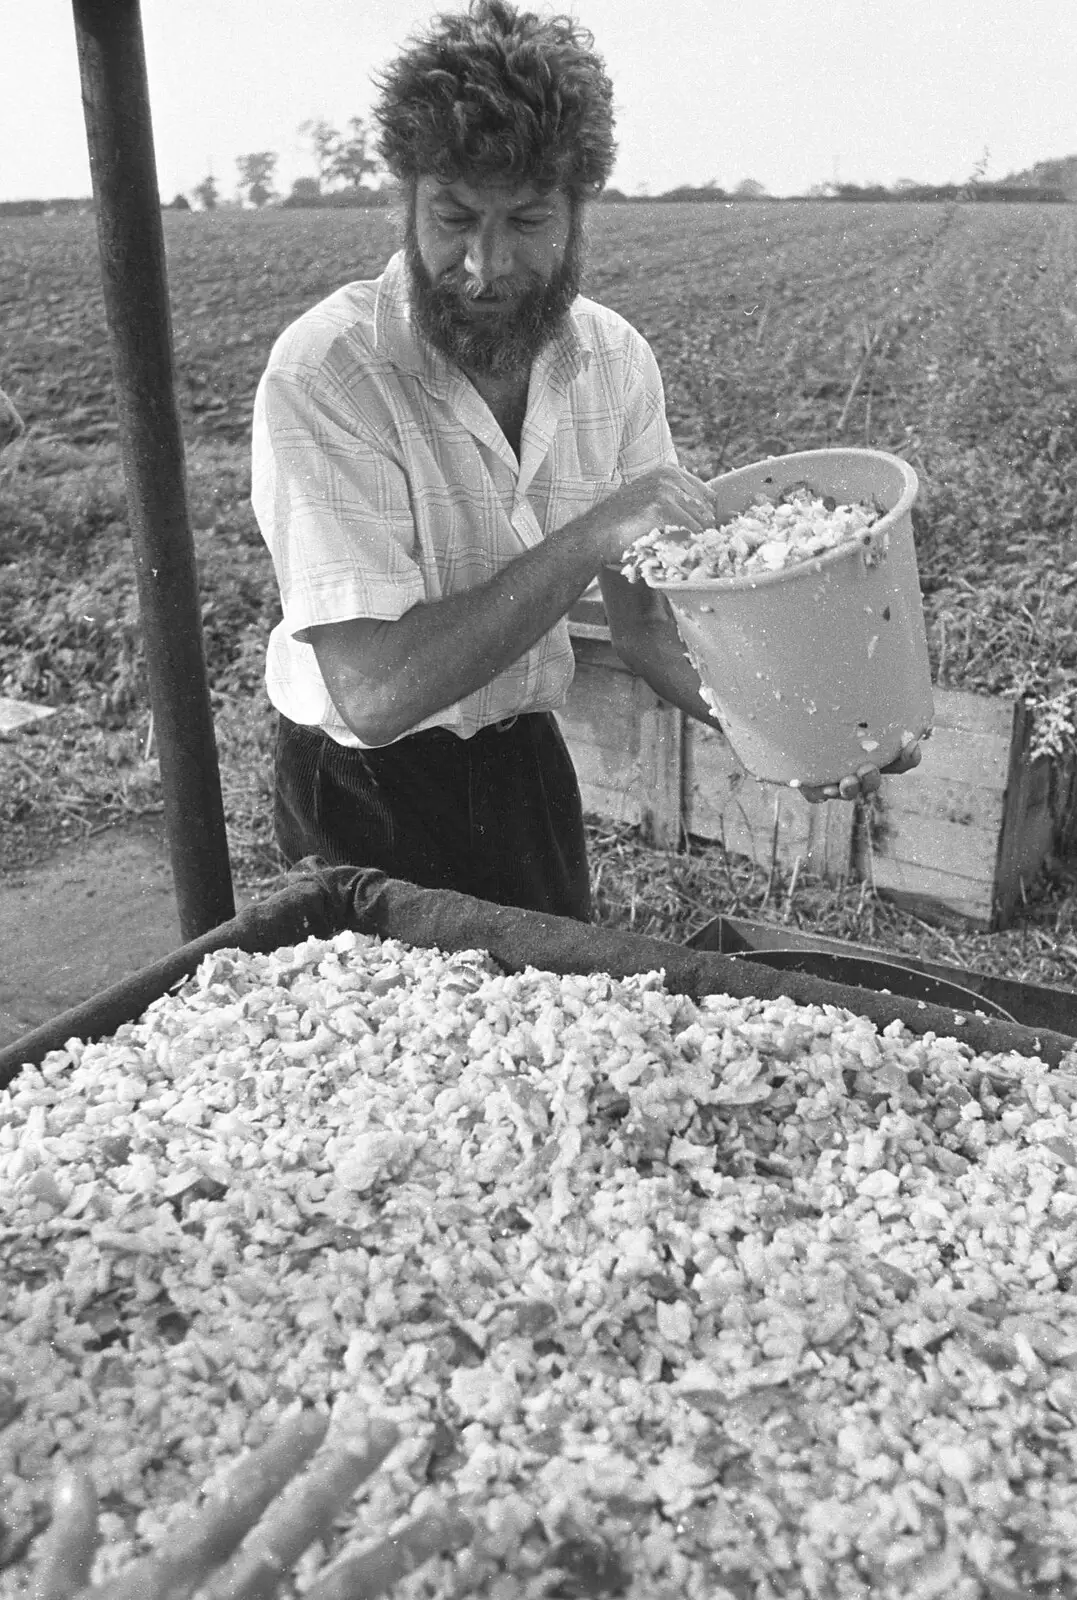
x=381 y=479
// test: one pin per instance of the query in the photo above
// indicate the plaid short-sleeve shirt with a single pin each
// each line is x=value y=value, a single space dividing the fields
x=381 y=479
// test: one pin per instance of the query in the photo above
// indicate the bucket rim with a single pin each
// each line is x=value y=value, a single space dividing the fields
x=850 y=548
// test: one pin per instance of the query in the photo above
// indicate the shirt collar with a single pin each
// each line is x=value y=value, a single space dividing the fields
x=568 y=353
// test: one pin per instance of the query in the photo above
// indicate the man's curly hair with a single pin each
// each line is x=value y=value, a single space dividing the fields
x=494 y=93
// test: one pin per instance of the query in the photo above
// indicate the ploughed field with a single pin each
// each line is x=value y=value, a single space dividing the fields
x=943 y=332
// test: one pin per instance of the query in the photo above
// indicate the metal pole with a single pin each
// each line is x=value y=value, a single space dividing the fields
x=130 y=235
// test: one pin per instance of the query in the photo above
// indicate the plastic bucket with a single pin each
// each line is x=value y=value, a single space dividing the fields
x=821 y=668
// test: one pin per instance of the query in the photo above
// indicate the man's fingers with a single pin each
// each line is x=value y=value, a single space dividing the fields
x=372 y=1571
x=860 y=784
x=685 y=502
x=815 y=794
x=698 y=501
x=65 y=1552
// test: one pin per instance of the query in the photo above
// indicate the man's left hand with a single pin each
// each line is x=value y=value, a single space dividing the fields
x=865 y=781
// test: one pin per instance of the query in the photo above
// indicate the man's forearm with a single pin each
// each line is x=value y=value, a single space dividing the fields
x=387 y=677
x=645 y=636
x=655 y=652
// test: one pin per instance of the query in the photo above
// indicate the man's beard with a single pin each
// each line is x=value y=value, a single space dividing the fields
x=492 y=344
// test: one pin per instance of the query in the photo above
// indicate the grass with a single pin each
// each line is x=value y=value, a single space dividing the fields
x=674 y=894
x=944 y=333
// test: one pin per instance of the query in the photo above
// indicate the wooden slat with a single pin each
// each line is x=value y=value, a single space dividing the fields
x=930 y=891
x=764 y=822
x=602 y=710
x=603 y=769
x=973 y=713
x=830 y=853
x=592 y=647
x=661 y=764
x=976 y=758
x=589 y=613
x=1034 y=844
x=1013 y=864
x=625 y=743
x=964 y=851
x=936 y=830
x=589 y=630
x=1039 y=783
x=922 y=794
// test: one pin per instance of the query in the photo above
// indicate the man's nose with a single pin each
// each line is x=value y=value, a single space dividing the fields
x=489 y=254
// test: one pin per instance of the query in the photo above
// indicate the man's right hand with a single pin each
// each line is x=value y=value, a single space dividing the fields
x=666 y=497
x=384 y=678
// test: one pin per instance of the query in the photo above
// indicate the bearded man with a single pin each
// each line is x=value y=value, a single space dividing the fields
x=444 y=459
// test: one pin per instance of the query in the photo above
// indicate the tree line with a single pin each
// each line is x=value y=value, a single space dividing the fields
x=348 y=172
x=345 y=163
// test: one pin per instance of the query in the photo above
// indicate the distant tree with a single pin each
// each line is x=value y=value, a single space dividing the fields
x=305 y=192
x=325 y=141
x=351 y=159
x=181 y=203
x=904 y=185
x=687 y=192
x=1060 y=174
x=750 y=189
x=861 y=191
x=207 y=194
x=256 y=175
x=354 y=199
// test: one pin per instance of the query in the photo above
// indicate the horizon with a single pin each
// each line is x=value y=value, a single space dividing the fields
x=790 y=93
x=611 y=194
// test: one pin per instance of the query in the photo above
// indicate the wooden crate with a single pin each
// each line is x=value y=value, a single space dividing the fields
x=966 y=834
x=640 y=761
x=625 y=742
x=961 y=837
x=766 y=822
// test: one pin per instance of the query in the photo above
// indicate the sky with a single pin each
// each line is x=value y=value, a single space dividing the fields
x=791 y=93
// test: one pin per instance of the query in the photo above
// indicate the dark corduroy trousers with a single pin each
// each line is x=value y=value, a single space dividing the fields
x=497 y=816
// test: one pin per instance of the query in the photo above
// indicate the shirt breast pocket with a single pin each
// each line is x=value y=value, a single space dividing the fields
x=575 y=496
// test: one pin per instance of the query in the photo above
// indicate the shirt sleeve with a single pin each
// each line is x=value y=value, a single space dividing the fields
x=646 y=442
x=332 y=504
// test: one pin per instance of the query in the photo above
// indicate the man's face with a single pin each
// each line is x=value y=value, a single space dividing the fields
x=492 y=271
